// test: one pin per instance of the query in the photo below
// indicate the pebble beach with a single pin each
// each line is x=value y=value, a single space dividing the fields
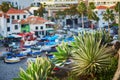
x=10 y=71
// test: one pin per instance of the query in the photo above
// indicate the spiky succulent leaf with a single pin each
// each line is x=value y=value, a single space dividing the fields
x=38 y=70
x=89 y=55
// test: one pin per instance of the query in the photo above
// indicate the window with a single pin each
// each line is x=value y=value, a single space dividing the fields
x=41 y=27
x=16 y=27
x=38 y=4
x=16 y=3
x=42 y=32
x=8 y=20
x=36 y=27
x=12 y=4
x=24 y=16
x=8 y=29
x=22 y=26
x=13 y=17
x=18 y=17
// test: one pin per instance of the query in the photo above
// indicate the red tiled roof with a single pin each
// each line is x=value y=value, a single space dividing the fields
x=112 y=7
x=33 y=20
x=15 y=11
x=101 y=7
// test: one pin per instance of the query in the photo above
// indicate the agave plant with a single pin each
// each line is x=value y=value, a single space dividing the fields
x=63 y=53
x=38 y=70
x=89 y=55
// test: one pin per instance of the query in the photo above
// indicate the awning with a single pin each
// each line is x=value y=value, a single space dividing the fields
x=50 y=31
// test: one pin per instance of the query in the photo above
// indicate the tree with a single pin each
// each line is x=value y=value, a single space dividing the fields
x=60 y=14
x=117 y=9
x=108 y=16
x=91 y=13
x=91 y=6
x=90 y=56
x=5 y=7
x=41 y=10
x=81 y=8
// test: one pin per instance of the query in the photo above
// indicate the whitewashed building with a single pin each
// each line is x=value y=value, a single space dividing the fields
x=100 y=10
x=39 y=25
x=104 y=2
x=8 y=21
x=12 y=24
x=21 y=4
x=3 y=24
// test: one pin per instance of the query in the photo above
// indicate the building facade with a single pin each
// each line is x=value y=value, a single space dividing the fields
x=8 y=21
x=20 y=4
x=36 y=24
x=19 y=21
x=104 y=2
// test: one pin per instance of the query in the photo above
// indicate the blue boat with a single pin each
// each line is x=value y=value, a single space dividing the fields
x=11 y=60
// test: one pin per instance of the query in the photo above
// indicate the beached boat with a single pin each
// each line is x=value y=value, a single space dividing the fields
x=45 y=48
x=28 y=44
x=26 y=51
x=35 y=53
x=21 y=56
x=11 y=60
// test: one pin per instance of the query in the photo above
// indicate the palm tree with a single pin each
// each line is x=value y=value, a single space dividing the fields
x=91 y=13
x=108 y=16
x=89 y=56
x=81 y=8
x=117 y=9
x=38 y=70
x=60 y=14
x=91 y=6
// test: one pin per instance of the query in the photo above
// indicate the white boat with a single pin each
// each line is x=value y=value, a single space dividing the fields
x=29 y=43
x=45 y=48
x=12 y=60
x=25 y=52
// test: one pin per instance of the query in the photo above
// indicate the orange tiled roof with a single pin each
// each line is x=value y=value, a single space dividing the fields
x=112 y=7
x=33 y=20
x=101 y=7
x=15 y=11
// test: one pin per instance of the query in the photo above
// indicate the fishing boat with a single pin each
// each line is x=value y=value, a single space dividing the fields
x=11 y=59
x=21 y=56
